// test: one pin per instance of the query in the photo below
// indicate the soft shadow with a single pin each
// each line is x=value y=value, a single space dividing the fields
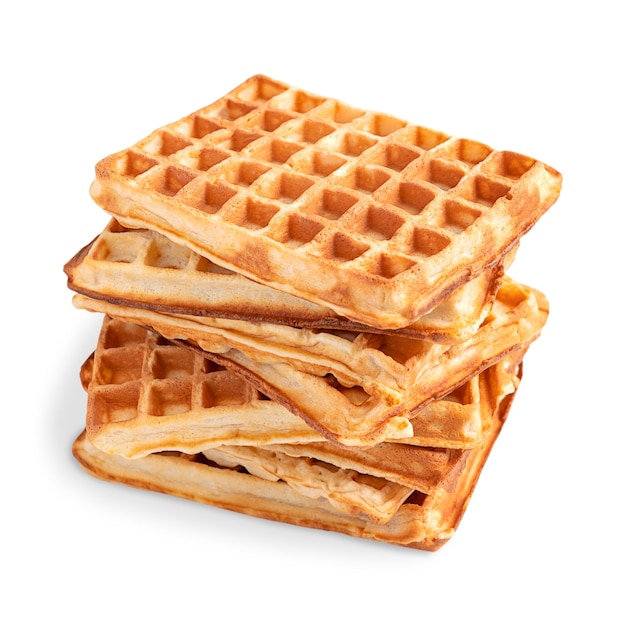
x=66 y=419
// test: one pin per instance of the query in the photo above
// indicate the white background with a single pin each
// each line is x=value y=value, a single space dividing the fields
x=543 y=539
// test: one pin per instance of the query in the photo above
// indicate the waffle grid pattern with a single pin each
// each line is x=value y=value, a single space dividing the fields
x=120 y=245
x=361 y=189
x=141 y=375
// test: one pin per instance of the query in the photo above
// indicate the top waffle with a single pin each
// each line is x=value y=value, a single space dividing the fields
x=365 y=213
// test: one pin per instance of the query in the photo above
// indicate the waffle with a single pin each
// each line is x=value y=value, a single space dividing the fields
x=422 y=521
x=140 y=267
x=146 y=395
x=359 y=211
x=356 y=390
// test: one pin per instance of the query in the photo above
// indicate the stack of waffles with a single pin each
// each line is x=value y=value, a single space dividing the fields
x=307 y=313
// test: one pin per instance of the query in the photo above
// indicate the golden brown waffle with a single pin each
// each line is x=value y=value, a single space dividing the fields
x=423 y=520
x=355 y=390
x=362 y=212
x=147 y=395
x=140 y=267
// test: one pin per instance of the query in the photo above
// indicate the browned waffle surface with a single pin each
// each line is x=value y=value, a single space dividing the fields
x=370 y=215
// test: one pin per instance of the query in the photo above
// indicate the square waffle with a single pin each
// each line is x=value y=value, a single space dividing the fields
x=357 y=390
x=372 y=216
x=141 y=267
x=146 y=395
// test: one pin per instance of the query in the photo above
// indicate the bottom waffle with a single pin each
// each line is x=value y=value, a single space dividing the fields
x=363 y=493
x=424 y=522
